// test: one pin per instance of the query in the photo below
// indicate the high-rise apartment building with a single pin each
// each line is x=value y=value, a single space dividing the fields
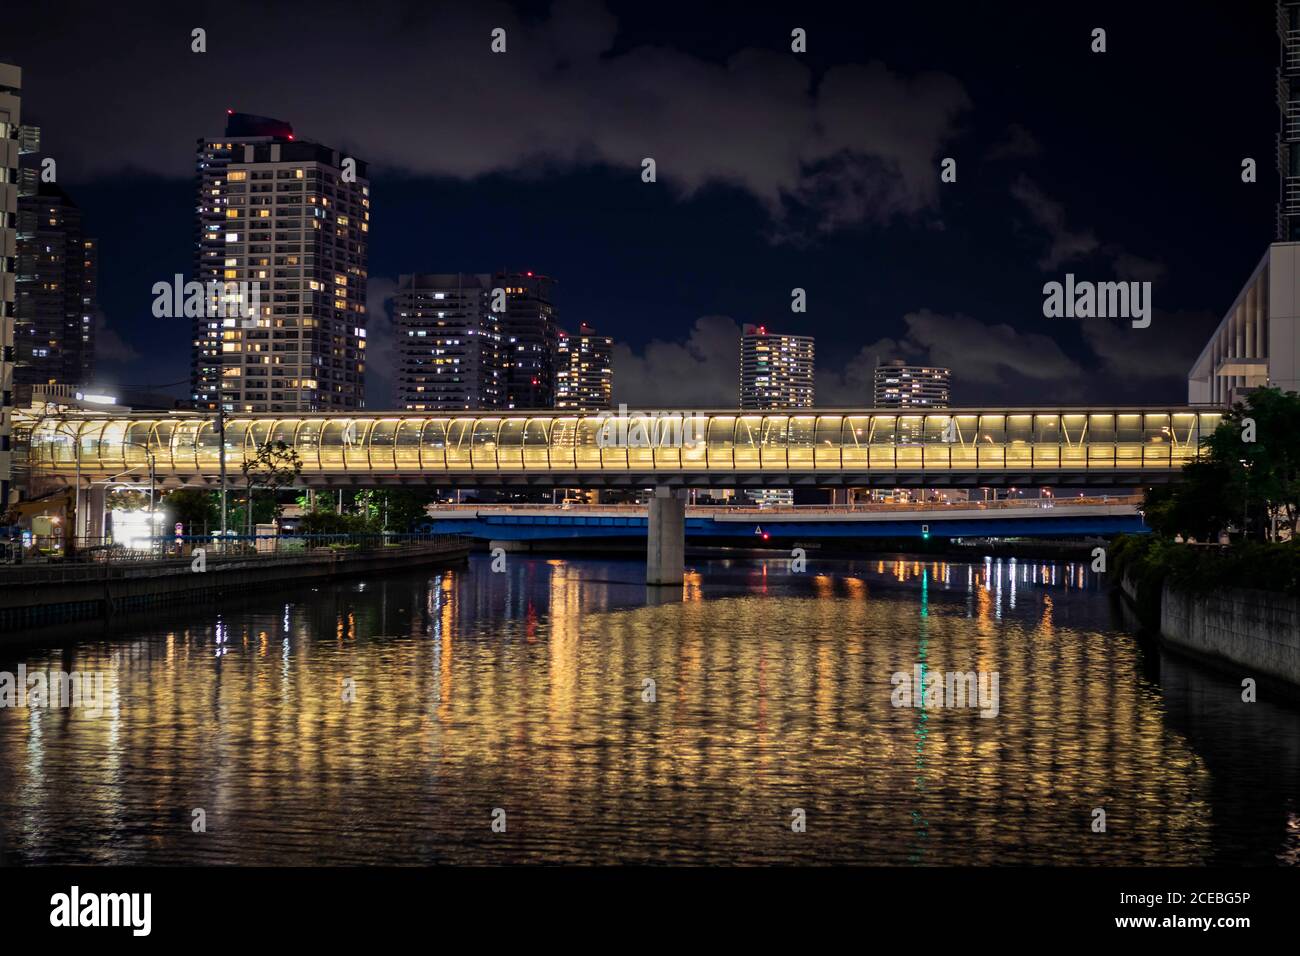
x=1288 y=140
x=282 y=233
x=584 y=370
x=776 y=371
x=448 y=343
x=14 y=142
x=898 y=385
x=529 y=338
x=54 y=334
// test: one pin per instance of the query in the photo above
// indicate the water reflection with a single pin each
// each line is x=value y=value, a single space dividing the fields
x=382 y=721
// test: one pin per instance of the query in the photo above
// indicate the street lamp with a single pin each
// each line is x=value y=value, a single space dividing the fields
x=1245 y=499
x=153 y=515
x=221 y=458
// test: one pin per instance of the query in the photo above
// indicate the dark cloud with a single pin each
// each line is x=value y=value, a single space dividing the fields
x=109 y=346
x=1166 y=349
x=990 y=362
x=417 y=89
x=701 y=372
x=980 y=354
x=1018 y=143
x=381 y=343
x=1068 y=246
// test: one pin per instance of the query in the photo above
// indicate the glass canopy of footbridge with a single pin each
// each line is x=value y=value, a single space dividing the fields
x=961 y=446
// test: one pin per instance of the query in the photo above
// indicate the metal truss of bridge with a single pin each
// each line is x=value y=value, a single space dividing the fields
x=959 y=447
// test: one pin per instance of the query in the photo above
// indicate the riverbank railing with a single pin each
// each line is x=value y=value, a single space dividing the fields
x=161 y=555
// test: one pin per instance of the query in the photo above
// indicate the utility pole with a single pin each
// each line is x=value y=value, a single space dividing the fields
x=76 y=492
x=221 y=456
x=1245 y=499
x=153 y=514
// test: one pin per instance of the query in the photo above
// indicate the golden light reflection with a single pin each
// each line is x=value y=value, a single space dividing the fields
x=758 y=698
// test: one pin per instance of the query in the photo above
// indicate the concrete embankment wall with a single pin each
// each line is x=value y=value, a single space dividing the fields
x=90 y=593
x=1255 y=633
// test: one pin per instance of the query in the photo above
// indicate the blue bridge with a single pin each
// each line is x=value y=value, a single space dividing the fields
x=1003 y=519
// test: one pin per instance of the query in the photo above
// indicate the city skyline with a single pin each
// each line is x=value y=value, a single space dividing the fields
x=665 y=292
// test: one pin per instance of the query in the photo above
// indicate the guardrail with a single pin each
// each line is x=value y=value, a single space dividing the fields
x=858 y=508
x=174 y=555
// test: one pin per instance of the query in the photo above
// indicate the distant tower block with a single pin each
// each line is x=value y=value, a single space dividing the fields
x=899 y=385
x=776 y=370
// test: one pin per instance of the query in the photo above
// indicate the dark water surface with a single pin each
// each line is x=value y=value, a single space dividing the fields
x=383 y=721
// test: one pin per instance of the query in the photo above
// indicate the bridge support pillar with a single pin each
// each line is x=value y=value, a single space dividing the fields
x=666 y=538
x=93 y=500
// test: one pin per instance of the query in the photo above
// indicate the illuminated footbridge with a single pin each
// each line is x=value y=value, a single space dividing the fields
x=968 y=447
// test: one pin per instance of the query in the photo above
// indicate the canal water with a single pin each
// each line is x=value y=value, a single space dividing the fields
x=553 y=712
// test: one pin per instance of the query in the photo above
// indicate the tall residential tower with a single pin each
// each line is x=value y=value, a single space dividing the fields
x=1288 y=139
x=292 y=219
x=584 y=370
x=529 y=338
x=776 y=371
x=54 y=333
x=448 y=344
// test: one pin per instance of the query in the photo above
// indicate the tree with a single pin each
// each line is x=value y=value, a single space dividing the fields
x=326 y=521
x=126 y=499
x=271 y=468
x=197 y=510
x=1263 y=473
x=1196 y=507
x=1248 y=475
x=403 y=507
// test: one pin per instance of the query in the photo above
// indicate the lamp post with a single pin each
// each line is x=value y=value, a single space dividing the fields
x=1245 y=499
x=76 y=489
x=221 y=458
x=153 y=515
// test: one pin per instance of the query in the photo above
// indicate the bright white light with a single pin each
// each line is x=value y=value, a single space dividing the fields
x=135 y=528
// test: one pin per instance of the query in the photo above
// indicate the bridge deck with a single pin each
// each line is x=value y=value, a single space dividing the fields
x=1001 y=519
x=957 y=447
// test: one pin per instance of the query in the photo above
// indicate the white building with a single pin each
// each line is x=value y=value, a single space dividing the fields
x=1257 y=342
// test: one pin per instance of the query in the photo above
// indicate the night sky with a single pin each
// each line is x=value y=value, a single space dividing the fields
x=776 y=170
